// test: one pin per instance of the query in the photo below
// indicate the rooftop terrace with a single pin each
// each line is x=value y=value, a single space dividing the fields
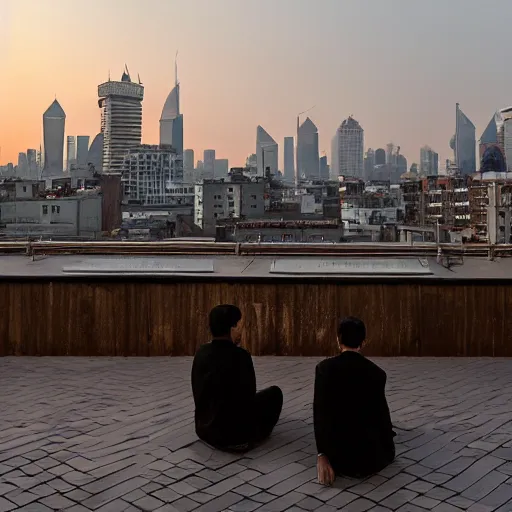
x=117 y=435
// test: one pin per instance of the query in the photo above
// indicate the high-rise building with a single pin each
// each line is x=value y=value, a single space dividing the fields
x=308 y=158
x=380 y=157
x=465 y=143
x=188 y=166
x=209 y=163
x=324 y=168
x=390 y=154
x=429 y=162
x=54 y=122
x=221 y=168
x=348 y=146
x=289 y=159
x=22 y=170
x=70 y=152
x=95 y=154
x=369 y=163
x=121 y=119
x=491 y=145
x=33 y=171
x=171 y=120
x=266 y=153
x=82 y=149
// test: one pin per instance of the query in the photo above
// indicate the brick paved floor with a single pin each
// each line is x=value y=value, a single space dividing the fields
x=117 y=434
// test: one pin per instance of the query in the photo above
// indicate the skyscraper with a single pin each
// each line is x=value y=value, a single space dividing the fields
x=171 y=121
x=465 y=143
x=308 y=160
x=220 y=168
x=380 y=157
x=54 y=122
x=22 y=170
x=349 y=148
x=95 y=154
x=209 y=163
x=324 y=168
x=266 y=153
x=70 y=152
x=121 y=119
x=429 y=162
x=32 y=164
x=82 y=148
x=289 y=159
x=369 y=163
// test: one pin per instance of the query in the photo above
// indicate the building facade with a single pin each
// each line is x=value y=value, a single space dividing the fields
x=465 y=143
x=225 y=200
x=121 y=120
x=171 y=120
x=208 y=164
x=188 y=166
x=429 y=162
x=308 y=158
x=348 y=146
x=289 y=160
x=22 y=169
x=70 y=152
x=54 y=123
x=266 y=153
x=33 y=170
x=221 y=168
x=82 y=149
x=153 y=175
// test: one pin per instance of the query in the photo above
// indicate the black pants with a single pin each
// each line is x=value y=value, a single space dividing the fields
x=363 y=463
x=268 y=405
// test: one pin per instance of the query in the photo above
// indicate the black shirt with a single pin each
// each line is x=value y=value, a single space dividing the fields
x=224 y=389
x=351 y=415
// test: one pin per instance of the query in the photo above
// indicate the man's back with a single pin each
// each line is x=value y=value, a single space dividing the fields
x=224 y=387
x=351 y=416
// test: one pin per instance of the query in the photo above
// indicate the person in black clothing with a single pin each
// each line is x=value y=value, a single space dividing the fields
x=353 y=430
x=230 y=415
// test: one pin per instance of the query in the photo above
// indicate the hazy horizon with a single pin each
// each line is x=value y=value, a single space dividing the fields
x=397 y=66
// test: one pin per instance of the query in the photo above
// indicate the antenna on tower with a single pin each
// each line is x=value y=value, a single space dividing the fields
x=176 y=68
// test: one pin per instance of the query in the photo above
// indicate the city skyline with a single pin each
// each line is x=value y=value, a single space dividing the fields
x=392 y=71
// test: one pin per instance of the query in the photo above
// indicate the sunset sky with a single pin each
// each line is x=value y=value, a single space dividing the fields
x=399 y=66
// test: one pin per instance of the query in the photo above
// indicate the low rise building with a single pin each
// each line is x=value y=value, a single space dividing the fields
x=237 y=197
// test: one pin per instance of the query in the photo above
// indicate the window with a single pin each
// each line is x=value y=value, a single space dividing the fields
x=230 y=189
x=253 y=197
x=45 y=209
x=253 y=206
x=54 y=208
x=231 y=204
x=24 y=189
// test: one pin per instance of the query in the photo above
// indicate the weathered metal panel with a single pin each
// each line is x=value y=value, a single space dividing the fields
x=141 y=265
x=351 y=266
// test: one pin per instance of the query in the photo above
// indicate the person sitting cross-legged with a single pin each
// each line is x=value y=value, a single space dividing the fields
x=353 y=429
x=229 y=414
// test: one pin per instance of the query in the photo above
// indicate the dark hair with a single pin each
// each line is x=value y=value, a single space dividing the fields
x=222 y=318
x=351 y=332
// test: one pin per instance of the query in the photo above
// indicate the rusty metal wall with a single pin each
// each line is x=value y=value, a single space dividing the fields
x=101 y=318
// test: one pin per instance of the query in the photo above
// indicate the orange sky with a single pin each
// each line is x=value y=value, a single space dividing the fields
x=398 y=68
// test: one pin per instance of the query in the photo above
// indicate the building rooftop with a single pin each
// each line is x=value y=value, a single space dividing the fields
x=118 y=434
x=256 y=266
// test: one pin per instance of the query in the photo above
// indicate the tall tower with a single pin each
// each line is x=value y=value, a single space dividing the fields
x=266 y=153
x=209 y=163
x=308 y=158
x=465 y=143
x=289 y=159
x=171 y=120
x=349 y=144
x=121 y=115
x=70 y=152
x=54 y=122
x=82 y=148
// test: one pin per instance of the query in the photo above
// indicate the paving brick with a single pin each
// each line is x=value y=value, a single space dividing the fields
x=246 y=505
x=309 y=503
x=425 y=502
x=247 y=490
x=282 y=503
x=270 y=479
x=166 y=495
x=184 y=504
x=110 y=494
x=57 y=502
x=342 y=499
x=501 y=495
x=148 y=503
x=420 y=486
x=460 y=501
x=21 y=498
x=359 y=505
x=474 y=473
x=391 y=486
x=399 y=498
